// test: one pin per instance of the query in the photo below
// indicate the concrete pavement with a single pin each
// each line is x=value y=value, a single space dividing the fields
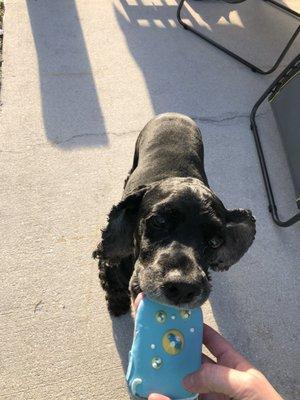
x=80 y=80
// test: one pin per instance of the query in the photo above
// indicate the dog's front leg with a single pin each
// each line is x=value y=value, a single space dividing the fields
x=115 y=281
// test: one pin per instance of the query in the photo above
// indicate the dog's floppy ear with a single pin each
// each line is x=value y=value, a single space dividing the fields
x=117 y=237
x=239 y=233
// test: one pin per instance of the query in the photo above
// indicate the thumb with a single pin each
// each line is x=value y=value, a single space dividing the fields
x=212 y=378
x=135 y=304
x=155 y=396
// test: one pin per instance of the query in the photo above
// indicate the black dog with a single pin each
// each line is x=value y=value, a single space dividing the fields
x=169 y=228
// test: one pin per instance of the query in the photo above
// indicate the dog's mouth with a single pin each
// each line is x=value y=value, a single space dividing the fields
x=159 y=296
x=173 y=288
x=196 y=303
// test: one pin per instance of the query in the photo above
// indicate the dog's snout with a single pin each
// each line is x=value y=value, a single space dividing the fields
x=181 y=292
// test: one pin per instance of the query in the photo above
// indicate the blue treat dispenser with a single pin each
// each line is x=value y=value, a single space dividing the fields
x=166 y=347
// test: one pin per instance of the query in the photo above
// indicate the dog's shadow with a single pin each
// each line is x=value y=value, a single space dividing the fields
x=123 y=328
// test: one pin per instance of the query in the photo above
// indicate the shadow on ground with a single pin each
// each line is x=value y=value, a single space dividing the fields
x=166 y=53
x=70 y=104
x=123 y=333
x=184 y=74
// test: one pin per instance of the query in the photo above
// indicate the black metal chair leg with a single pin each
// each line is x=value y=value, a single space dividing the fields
x=266 y=178
x=248 y=64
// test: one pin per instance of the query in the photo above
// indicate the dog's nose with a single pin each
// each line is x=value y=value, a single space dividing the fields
x=181 y=292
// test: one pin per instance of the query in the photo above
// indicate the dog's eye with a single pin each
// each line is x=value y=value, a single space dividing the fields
x=215 y=242
x=158 y=221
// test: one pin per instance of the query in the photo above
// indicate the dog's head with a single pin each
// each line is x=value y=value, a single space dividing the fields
x=177 y=229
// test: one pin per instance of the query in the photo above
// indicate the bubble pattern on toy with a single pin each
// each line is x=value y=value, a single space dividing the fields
x=166 y=347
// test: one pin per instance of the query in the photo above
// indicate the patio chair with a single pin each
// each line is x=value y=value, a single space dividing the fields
x=284 y=98
x=250 y=65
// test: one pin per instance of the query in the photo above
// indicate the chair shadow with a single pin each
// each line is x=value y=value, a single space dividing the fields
x=166 y=53
x=70 y=104
x=227 y=22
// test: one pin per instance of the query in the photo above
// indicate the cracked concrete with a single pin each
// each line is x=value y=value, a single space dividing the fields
x=219 y=119
x=224 y=118
x=80 y=80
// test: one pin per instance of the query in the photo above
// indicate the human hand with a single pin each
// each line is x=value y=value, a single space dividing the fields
x=231 y=376
x=135 y=303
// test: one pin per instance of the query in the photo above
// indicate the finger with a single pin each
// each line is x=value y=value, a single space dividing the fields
x=155 y=396
x=205 y=359
x=138 y=300
x=212 y=378
x=223 y=350
x=135 y=303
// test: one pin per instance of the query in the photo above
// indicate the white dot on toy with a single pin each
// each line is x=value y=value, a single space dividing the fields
x=152 y=346
x=173 y=317
x=192 y=330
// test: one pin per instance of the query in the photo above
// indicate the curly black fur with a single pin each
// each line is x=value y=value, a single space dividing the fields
x=170 y=227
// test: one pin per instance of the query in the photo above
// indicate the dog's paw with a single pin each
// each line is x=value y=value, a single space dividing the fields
x=116 y=309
